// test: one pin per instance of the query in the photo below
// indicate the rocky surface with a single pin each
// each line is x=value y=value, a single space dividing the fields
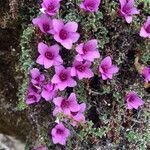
x=10 y=143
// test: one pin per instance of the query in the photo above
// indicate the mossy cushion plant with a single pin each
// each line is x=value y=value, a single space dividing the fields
x=78 y=56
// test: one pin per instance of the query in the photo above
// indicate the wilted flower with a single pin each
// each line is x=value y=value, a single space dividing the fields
x=145 y=30
x=87 y=51
x=65 y=106
x=49 y=91
x=127 y=9
x=36 y=77
x=44 y=23
x=32 y=98
x=50 y=6
x=78 y=116
x=146 y=73
x=90 y=5
x=62 y=78
x=133 y=101
x=60 y=134
x=81 y=69
x=107 y=69
x=49 y=56
x=65 y=33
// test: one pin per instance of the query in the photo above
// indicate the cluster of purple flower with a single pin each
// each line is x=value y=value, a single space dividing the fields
x=127 y=10
x=49 y=56
x=146 y=73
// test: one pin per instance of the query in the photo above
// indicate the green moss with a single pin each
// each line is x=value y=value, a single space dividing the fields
x=25 y=64
x=145 y=58
x=139 y=139
x=81 y=92
x=90 y=130
x=72 y=16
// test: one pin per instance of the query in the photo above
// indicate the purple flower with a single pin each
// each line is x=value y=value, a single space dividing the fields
x=133 y=101
x=127 y=9
x=81 y=69
x=107 y=69
x=49 y=56
x=87 y=51
x=60 y=134
x=44 y=23
x=78 y=116
x=146 y=73
x=62 y=78
x=34 y=88
x=65 y=33
x=145 y=29
x=51 y=6
x=65 y=106
x=49 y=91
x=32 y=98
x=90 y=5
x=37 y=77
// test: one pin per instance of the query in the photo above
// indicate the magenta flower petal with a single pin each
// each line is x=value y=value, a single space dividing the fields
x=143 y=32
x=127 y=9
x=113 y=69
x=87 y=51
x=122 y=2
x=74 y=37
x=128 y=19
x=60 y=134
x=81 y=70
x=32 y=98
x=71 y=26
x=58 y=25
x=55 y=79
x=71 y=83
x=65 y=34
x=90 y=5
x=146 y=73
x=49 y=92
x=133 y=101
x=48 y=63
x=50 y=7
x=78 y=115
x=91 y=44
x=62 y=78
x=40 y=60
x=44 y=23
x=42 y=48
x=79 y=48
x=67 y=43
x=73 y=71
x=62 y=86
x=73 y=102
x=49 y=56
x=35 y=72
x=145 y=29
x=57 y=101
x=65 y=106
x=82 y=107
x=56 y=111
x=107 y=61
x=37 y=77
x=107 y=69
